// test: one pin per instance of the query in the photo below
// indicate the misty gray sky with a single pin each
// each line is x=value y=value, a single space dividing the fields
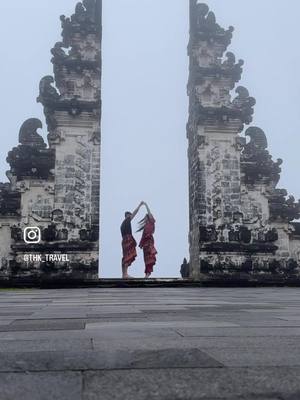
x=145 y=71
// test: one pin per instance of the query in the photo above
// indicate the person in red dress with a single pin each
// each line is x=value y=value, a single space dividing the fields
x=128 y=242
x=147 y=225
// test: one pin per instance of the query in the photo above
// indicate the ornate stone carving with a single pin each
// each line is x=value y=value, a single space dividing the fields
x=52 y=102
x=258 y=140
x=235 y=211
x=90 y=9
x=28 y=133
x=22 y=186
x=16 y=233
x=205 y=25
x=48 y=93
x=81 y=57
x=52 y=234
x=257 y=163
x=10 y=201
x=91 y=235
x=31 y=162
x=57 y=215
x=229 y=62
x=56 y=136
x=244 y=103
x=236 y=232
x=283 y=208
x=235 y=69
x=84 y=21
x=185 y=269
x=69 y=203
x=31 y=158
x=95 y=137
x=58 y=53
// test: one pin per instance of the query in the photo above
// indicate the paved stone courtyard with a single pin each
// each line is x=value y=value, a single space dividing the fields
x=152 y=343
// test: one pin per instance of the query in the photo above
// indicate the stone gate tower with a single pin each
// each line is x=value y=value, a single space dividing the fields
x=239 y=220
x=53 y=190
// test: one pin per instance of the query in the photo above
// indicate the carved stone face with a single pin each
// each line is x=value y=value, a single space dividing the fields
x=57 y=215
x=238 y=217
x=77 y=211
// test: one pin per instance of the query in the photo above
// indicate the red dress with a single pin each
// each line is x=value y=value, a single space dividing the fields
x=128 y=243
x=147 y=244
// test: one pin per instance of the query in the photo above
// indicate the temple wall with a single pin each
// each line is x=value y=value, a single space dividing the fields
x=37 y=202
x=223 y=169
x=295 y=248
x=6 y=242
x=283 y=243
x=54 y=187
x=255 y=205
x=73 y=170
x=240 y=222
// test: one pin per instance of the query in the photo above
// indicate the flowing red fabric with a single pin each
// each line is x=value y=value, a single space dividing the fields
x=147 y=244
x=129 y=250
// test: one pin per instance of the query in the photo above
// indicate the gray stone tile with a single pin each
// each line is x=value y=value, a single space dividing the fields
x=116 y=315
x=293 y=318
x=41 y=386
x=295 y=396
x=239 y=332
x=161 y=308
x=47 y=334
x=130 y=333
x=275 y=323
x=269 y=310
x=160 y=324
x=171 y=358
x=10 y=313
x=246 y=342
x=261 y=356
x=50 y=344
x=136 y=327
x=107 y=359
x=56 y=316
x=5 y=322
x=192 y=384
x=113 y=310
x=42 y=325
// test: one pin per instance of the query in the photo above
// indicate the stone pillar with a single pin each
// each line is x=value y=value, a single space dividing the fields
x=239 y=221
x=55 y=188
x=214 y=124
x=72 y=104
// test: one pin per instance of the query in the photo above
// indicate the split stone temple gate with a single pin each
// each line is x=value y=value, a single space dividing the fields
x=240 y=222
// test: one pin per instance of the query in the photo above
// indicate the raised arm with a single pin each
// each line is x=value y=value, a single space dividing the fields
x=148 y=209
x=136 y=210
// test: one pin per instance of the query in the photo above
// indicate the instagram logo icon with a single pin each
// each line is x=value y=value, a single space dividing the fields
x=32 y=235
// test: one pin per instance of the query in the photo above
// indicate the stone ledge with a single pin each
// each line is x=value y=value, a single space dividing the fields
x=204 y=281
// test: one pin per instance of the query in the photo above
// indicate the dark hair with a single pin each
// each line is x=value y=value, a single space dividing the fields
x=127 y=213
x=142 y=223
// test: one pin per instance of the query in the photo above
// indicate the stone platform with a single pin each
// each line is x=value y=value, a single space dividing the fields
x=238 y=281
x=150 y=343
